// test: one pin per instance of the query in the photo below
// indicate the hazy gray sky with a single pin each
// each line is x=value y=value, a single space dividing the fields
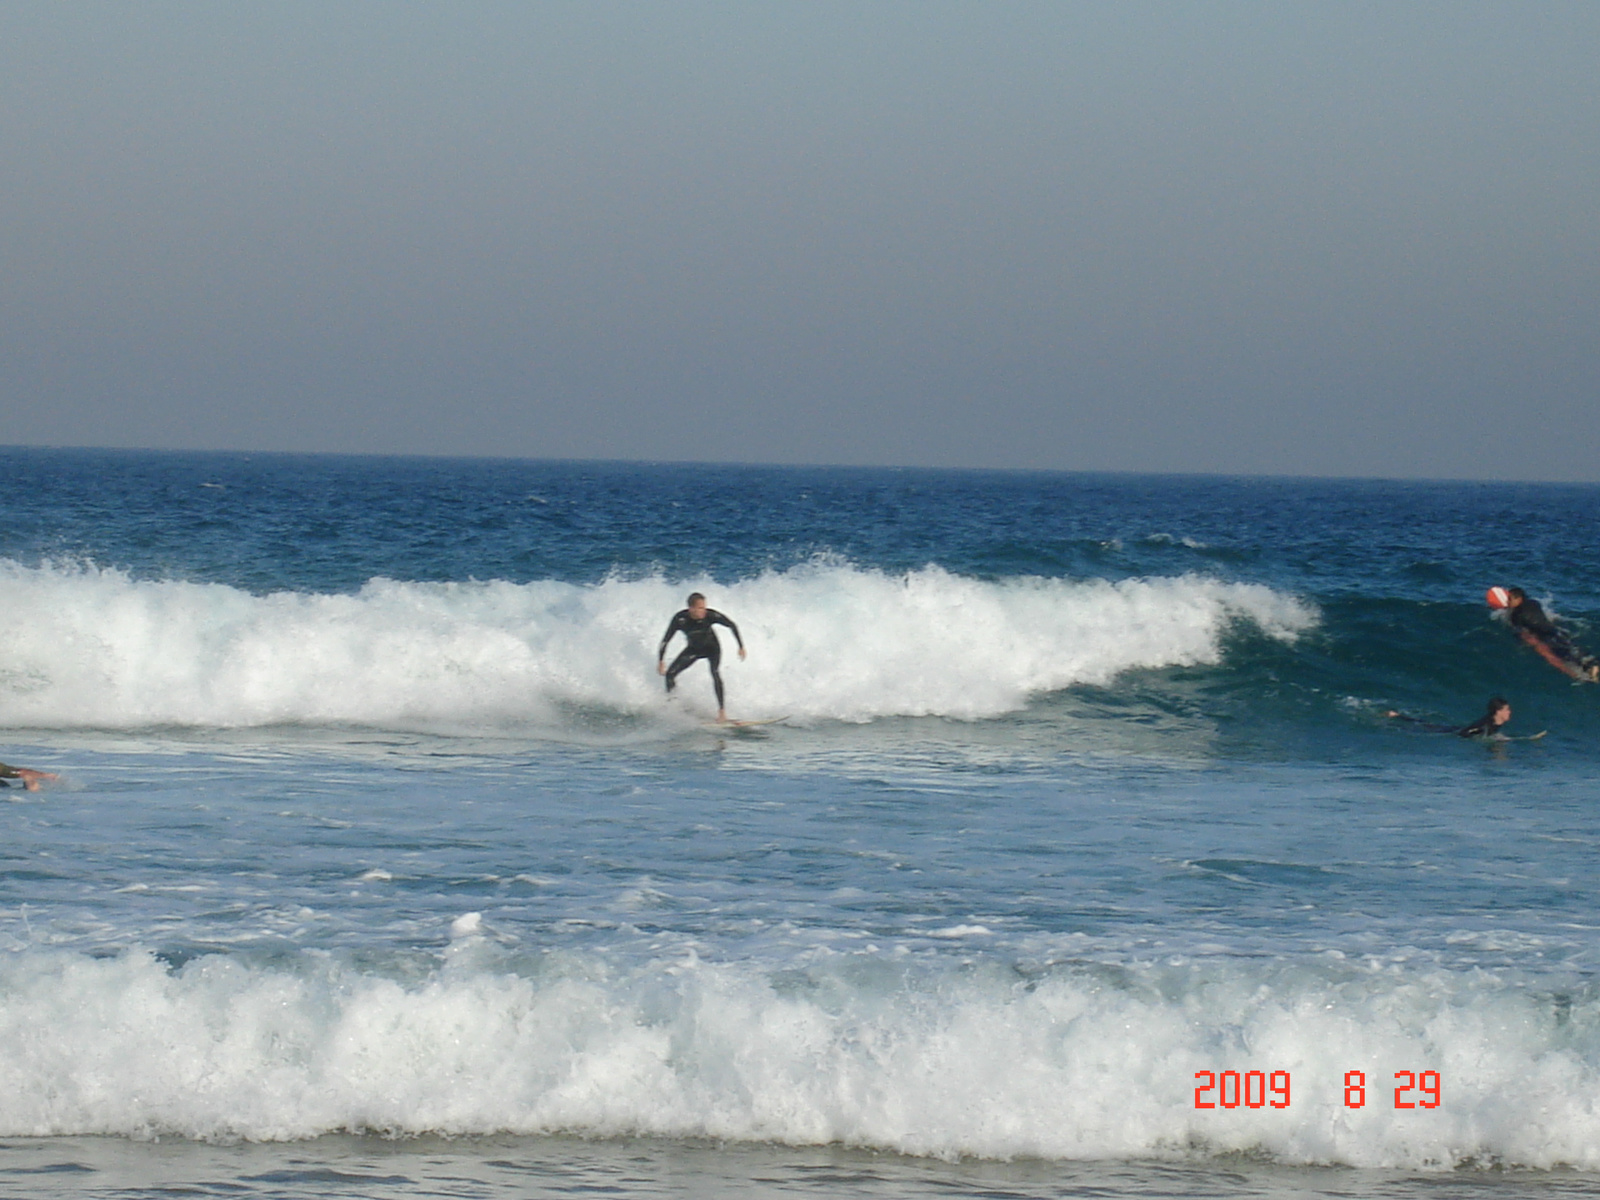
x=1341 y=238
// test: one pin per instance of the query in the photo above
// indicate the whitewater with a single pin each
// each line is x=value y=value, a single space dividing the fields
x=92 y=647
x=1084 y=857
x=949 y=1066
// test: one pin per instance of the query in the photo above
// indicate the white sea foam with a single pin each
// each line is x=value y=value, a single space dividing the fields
x=83 y=647
x=861 y=1051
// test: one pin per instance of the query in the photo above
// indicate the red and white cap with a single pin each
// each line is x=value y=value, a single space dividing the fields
x=1498 y=597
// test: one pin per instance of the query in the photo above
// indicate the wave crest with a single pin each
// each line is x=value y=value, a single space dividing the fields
x=88 y=647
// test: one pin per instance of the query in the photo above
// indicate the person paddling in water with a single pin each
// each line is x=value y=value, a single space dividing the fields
x=1527 y=616
x=30 y=779
x=1495 y=716
x=695 y=623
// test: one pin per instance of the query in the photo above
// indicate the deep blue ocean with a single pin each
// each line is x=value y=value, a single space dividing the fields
x=381 y=865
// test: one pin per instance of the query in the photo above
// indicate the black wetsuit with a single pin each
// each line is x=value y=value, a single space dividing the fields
x=703 y=643
x=1483 y=727
x=1530 y=617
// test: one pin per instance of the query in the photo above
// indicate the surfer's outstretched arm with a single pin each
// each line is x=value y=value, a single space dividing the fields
x=718 y=618
x=1495 y=715
x=1425 y=726
x=30 y=779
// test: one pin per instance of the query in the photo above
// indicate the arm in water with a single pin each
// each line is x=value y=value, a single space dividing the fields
x=1495 y=715
x=30 y=779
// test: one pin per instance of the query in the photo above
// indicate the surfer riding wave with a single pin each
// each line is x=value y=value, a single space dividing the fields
x=696 y=624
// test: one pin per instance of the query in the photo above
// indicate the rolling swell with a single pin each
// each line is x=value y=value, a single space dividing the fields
x=1325 y=693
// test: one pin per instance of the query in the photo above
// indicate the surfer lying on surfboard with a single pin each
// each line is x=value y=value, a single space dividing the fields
x=1543 y=635
x=1489 y=726
x=30 y=779
x=695 y=623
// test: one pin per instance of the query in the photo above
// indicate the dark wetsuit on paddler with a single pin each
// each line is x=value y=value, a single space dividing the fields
x=1489 y=725
x=1527 y=615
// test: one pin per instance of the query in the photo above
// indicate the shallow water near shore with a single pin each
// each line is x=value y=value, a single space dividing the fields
x=558 y=1167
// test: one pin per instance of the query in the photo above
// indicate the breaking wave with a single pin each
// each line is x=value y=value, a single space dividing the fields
x=86 y=647
x=923 y=1058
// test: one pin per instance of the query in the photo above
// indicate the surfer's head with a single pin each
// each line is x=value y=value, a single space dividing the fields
x=1515 y=596
x=1498 y=711
x=697 y=605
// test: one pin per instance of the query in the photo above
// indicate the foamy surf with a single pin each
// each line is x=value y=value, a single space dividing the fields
x=922 y=1058
x=87 y=647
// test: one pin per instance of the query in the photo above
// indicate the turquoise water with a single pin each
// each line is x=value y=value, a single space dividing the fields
x=378 y=851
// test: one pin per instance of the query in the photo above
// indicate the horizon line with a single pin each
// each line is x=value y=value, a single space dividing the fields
x=1283 y=476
